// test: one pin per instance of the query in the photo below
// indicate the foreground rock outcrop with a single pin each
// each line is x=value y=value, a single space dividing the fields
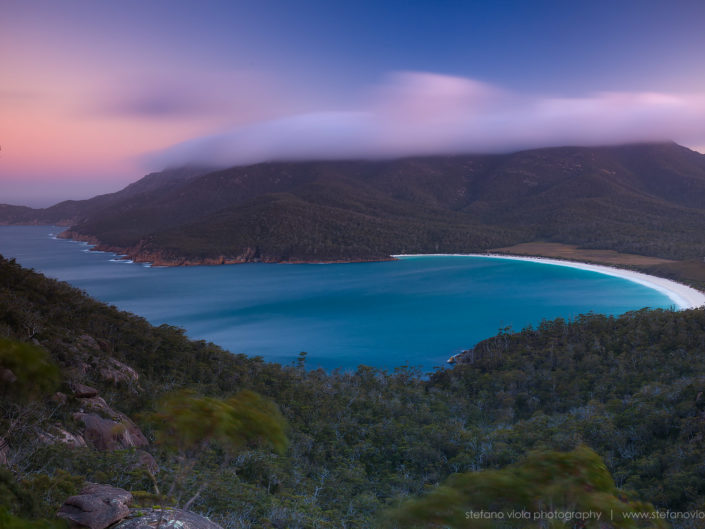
x=96 y=507
x=165 y=519
x=101 y=506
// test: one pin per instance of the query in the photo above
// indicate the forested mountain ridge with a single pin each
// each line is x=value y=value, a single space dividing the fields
x=647 y=199
x=630 y=388
x=71 y=212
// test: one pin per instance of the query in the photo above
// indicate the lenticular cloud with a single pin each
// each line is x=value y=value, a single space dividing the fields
x=414 y=113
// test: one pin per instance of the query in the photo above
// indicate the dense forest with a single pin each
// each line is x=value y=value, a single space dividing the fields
x=644 y=199
x=628 y=391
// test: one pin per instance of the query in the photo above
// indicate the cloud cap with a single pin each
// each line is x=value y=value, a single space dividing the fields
x=418 y=113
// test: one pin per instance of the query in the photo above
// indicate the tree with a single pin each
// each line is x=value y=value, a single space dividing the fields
x=187 y=424
x=8 y=521
x=25 y=370
x=26 y=375
x=546 y=490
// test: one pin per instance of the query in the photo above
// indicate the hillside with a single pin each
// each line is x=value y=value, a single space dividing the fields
x=630 y=388
x=71 y=212
x=646 y=199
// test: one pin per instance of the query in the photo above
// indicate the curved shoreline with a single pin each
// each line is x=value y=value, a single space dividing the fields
x=683 y=296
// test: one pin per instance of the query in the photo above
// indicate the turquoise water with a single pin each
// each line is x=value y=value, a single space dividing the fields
x=417 y=311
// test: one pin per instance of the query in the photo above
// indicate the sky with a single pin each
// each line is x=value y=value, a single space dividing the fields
x=93 y=95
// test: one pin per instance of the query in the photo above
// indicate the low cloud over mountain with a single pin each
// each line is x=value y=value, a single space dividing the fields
x=425 y=113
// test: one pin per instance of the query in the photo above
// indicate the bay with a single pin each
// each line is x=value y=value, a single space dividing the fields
x=417 y=311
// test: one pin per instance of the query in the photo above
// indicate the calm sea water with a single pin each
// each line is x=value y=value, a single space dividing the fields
x=417 y=311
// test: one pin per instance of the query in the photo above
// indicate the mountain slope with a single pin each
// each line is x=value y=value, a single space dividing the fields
x=71 y=212
x=647 y=199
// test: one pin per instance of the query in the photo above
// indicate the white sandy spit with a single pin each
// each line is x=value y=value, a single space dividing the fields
x=683 y=296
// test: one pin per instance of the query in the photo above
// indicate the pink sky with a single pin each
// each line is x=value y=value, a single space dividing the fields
x=79 y=135
x=94 y=95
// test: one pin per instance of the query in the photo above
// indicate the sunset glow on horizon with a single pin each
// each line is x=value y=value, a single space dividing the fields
x=94 y=95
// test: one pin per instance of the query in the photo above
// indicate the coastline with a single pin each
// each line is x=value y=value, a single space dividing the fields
x=683 y=296
x=159 y=259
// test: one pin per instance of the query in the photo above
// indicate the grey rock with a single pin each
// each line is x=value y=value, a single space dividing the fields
x=57 y=434
x=96 y=507
x=107 y=434
x=114 y=371
x=81 y=391
x=107 y=429
x=88 y=342
x=165 y=519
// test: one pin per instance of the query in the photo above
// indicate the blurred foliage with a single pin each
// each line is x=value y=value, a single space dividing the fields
x=8 y=521
x=187 y=422
x=547 y=489
x=26 y=369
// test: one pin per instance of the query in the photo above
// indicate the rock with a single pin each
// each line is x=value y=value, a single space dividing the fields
x=96 y=507
x=165 y=519
x=116 y=372
x=57 y=435
x=463 y=357
x=89 y=342
x=81 y=391
x=108 y=434
x=107 y=429
x=98 y=404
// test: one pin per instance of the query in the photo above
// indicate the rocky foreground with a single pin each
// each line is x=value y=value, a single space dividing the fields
x=101 y=506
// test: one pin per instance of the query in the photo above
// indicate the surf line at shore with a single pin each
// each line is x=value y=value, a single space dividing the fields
x=683 y=296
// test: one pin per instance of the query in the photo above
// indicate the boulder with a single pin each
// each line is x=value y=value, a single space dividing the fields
x=165 y=519
x=81 y=391
x=107 y=429
x=96 y=507
x=56 y=434
x=107 y=434
x=114 y=371
x=88 y=342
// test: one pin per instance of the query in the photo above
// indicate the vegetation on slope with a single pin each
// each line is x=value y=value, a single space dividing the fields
x=630 y=388
x=643 y=199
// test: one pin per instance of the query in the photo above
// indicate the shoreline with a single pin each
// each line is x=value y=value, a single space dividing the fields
x=683 y=296
x=157 y=259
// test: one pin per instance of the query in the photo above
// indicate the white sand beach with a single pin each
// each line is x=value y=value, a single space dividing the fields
x=683 y=296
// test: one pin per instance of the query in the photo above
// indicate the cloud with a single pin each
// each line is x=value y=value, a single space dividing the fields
x=197 y=96
x=415 y=113
x=155 y=98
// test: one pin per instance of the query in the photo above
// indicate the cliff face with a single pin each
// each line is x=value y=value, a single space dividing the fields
x=645 y=199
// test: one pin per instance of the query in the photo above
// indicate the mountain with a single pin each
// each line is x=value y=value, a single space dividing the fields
x=71 y=212
x=647 y=199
